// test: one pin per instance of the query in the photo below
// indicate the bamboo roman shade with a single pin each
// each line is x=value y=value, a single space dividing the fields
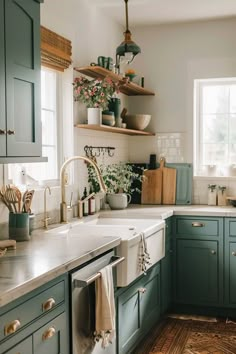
x=55 y=50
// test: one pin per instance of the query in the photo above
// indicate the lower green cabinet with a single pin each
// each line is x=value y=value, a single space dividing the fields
x=230 y=262
x=52 y=337
x=166 y=279
x=138 y=309
x=197 y=276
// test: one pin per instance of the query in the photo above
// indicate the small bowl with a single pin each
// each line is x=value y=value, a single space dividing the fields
x=137 y=121
x=108 y=120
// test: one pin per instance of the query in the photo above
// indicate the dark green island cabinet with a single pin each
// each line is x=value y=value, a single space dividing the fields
x=20 y=65
x=38 y=322
x=138 y=309
x=230 y=262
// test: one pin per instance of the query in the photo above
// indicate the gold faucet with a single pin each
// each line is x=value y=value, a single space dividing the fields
x=63 y=206
x=46 y=218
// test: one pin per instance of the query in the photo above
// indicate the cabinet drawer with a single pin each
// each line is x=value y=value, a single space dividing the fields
x=22 y=348
x=199 y=227
x=28 y=311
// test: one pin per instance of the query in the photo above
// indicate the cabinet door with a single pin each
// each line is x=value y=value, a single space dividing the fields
x=22 y=38
x=230 y=271
x=2 y=84
x=138 y=310
x=25 y=347
x=52 y=338
x=197 y=279
x=166 y=279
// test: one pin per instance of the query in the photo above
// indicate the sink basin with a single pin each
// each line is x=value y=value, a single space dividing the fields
x=131 y=232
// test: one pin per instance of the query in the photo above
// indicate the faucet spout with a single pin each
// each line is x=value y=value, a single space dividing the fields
x=63 y=206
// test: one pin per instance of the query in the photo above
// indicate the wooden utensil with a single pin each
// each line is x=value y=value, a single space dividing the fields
x=27 y=200
x=11 y=197
x=168 y=183
x=18 y=197
x=152 y=187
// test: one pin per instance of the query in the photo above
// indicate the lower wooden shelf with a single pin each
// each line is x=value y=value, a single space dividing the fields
x=106 y=128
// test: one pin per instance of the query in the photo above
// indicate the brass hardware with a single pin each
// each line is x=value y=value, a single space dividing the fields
x=213 y=252
x=233 y=253
x=142 y=290
x=3 y=132
x=11 y=132
x=198 y=224
x=49 y=304
x=49 y=333
x=12 y=327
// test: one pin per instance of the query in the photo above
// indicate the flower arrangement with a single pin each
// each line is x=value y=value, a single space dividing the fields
x=94 y=93
x=117 y=178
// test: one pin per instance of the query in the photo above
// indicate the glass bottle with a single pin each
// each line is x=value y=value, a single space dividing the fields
x=212 y=194
x=221 y=195
x=85 y=203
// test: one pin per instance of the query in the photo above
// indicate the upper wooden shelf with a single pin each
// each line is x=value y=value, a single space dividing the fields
x=106 y=128
x=129 y=89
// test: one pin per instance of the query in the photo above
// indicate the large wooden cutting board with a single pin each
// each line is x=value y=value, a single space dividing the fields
x=168 y=183
x=152 y=187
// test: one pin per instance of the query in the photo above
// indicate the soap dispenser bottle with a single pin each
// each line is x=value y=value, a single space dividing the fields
x=212 y=196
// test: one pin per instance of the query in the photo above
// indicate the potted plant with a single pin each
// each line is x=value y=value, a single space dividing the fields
x=119 y=180
x=95 y=94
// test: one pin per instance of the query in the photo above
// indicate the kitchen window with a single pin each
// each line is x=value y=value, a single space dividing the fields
x=215 y=127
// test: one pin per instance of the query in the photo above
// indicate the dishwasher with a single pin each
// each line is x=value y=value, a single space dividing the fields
x=83 y=306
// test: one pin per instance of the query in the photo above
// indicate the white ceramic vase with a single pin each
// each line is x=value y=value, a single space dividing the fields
x=118 y=200
x=94 y=116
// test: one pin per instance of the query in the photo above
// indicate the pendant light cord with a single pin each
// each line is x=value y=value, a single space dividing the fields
x=126 y=15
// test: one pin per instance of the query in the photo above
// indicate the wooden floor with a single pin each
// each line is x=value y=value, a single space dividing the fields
x=177 y=336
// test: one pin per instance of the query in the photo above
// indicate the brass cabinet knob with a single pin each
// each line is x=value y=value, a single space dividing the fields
x=142 y=290
x=49 y=333
x=198 y=224
x=11 y=132
x=213 y=252
x=3 y=132
x=233 y=253
x=49 y=304
x=12 y=327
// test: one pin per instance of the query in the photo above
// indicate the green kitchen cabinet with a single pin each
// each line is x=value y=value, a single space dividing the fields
x=230 y=262
x=198 y=260
x=20 y=121
x=37 y=322
x=197 y=264
x=138 y=309
x=166 y=270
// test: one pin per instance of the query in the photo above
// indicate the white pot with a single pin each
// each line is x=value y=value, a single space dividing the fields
x=94 y=116
x=118 y=201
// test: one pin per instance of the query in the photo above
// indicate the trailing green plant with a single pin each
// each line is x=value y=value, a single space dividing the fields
x=117 y=177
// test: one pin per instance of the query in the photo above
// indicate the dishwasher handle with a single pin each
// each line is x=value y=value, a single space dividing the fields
x=79 y=283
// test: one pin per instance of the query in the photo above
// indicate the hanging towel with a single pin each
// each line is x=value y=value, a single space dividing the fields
x=144 y=258
x=105 y=307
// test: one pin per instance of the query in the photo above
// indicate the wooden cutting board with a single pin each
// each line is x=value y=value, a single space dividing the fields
x=168 y=183
x=152 y=187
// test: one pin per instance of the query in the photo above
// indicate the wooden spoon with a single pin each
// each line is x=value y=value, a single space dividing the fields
x=18 y=197
x=11 y=197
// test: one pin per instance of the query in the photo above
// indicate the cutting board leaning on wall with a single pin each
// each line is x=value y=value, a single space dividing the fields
x=159 y=185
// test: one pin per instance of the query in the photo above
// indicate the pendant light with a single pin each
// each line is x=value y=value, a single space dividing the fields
x=128 y=49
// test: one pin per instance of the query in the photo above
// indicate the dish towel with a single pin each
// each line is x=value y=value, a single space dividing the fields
x=105 y=307
x=144 y=258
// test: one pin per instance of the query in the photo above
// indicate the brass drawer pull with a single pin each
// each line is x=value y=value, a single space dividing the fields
x=49 y=333
x=49 y=304
x=198 y=224
x=3 y=132
x=12 y=327
x=142 y=290
x=233 y=253
x=11 y=132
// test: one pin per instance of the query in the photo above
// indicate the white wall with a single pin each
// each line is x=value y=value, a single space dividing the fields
x=172 y=57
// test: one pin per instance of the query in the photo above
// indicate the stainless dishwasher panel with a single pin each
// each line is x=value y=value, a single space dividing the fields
x=83 y=309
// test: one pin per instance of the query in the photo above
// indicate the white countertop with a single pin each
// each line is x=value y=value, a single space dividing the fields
x=47 y=256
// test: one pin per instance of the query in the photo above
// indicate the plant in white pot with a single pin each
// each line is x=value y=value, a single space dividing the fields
x=119 y=180
x=95 y=94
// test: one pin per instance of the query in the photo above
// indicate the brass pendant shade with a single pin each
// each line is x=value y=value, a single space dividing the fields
x=127 y=47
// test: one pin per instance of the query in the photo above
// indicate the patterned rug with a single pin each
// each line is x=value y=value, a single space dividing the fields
x=175 y=336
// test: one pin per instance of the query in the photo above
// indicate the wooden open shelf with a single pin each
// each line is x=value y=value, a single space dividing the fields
x=106 y=128
x=129 y=89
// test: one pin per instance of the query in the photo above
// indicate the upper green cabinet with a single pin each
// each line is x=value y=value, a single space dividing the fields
x=20 y=123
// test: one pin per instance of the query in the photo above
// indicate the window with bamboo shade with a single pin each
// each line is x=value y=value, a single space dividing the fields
x=55 y=50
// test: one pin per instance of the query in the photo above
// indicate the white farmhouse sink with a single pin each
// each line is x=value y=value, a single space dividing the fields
x=130 y=231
